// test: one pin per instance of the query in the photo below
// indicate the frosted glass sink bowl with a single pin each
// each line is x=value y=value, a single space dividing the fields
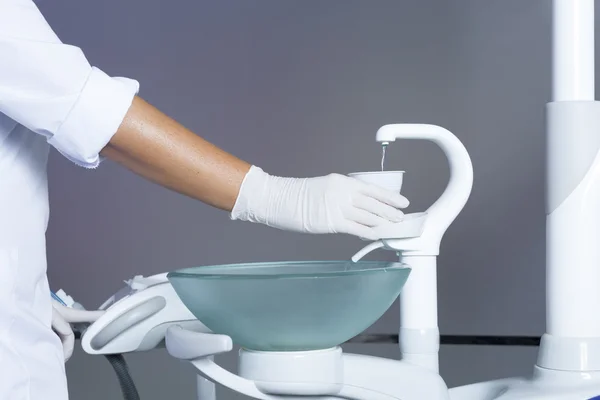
x=290 y=306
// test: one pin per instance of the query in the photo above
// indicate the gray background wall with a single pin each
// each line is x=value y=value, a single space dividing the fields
x=299 y=88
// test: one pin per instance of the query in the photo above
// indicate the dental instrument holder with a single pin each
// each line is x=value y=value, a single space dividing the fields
x=419 y=334
x=137 y=319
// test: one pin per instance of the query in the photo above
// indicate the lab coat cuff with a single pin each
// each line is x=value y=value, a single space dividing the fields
x=95 y=118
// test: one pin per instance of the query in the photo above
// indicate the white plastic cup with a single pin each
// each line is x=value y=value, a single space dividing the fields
x=390 y=180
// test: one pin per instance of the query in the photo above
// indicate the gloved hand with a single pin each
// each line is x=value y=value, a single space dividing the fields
x=328 y=204
x=63 y=329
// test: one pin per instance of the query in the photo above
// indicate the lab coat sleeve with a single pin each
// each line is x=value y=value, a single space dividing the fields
x=51 y=88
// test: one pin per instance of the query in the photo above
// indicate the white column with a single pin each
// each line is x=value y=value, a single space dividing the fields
x=419 y=333
x=572 y=339
x=573 y=45
x=568 y=162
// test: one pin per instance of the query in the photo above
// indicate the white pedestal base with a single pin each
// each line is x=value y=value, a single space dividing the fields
x=296 y=373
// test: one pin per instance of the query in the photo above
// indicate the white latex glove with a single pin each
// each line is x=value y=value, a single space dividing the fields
x=63 y=329
x=328 y=204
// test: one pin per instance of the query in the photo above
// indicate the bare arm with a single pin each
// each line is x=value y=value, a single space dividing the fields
x=163 y=151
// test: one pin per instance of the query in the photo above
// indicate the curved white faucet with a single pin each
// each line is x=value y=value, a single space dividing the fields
x=419 y=333
x=447 y=207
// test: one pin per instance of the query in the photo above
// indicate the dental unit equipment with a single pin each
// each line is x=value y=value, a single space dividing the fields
x=291 y=318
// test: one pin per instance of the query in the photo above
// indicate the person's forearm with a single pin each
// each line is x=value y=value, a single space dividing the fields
x=161 y=150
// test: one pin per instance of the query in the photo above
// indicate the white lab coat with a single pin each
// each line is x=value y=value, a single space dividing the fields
x=49 y=96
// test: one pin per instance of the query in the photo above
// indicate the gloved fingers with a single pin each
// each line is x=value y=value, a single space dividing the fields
x=386 y=196
x=364 y=217
x=63 y=329
x=385 y=211
x=359 y=230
